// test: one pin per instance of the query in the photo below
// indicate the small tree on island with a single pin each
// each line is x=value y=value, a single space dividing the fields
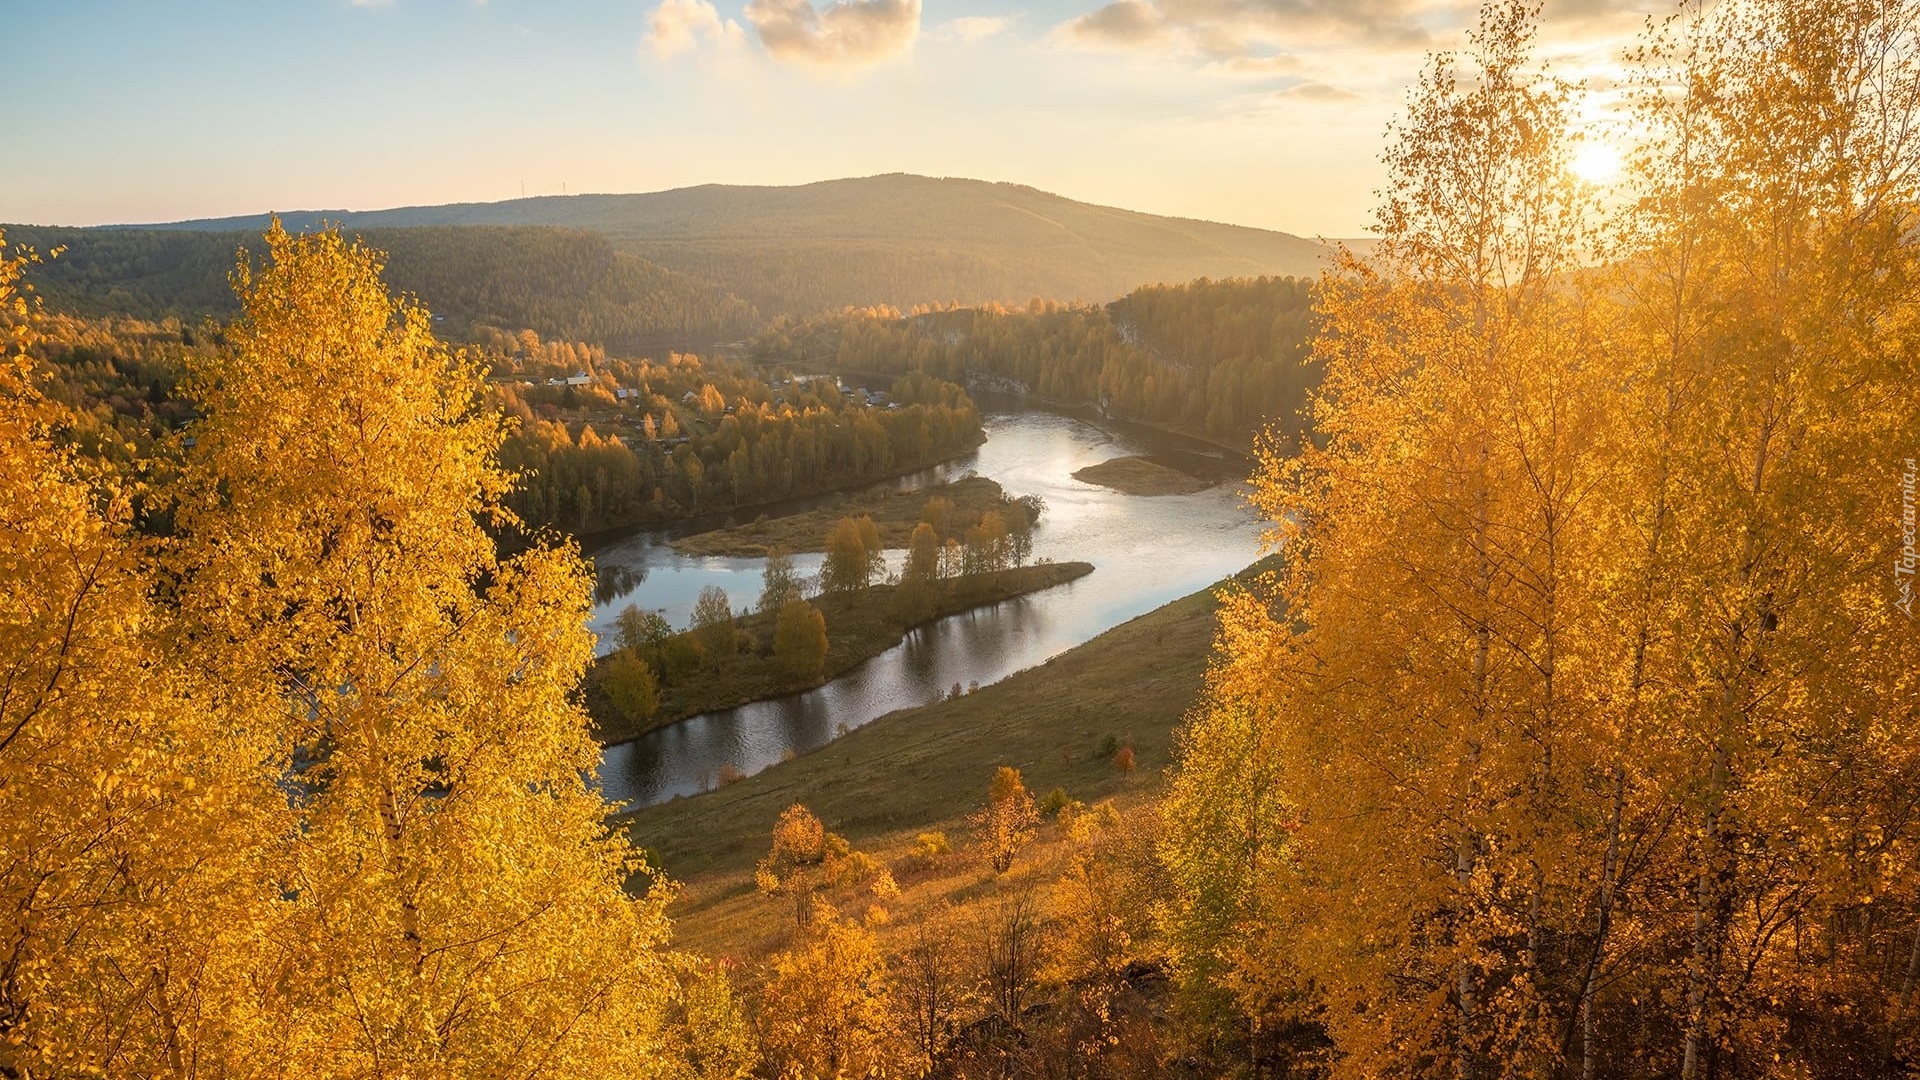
x=631 y=686
x=923 y=554
x=800 y=639
x=1009 y=819
x=713 y=622
x=845 y=567
x=779 y=582
x=987 y=544
x=855 y=556
x=640 y=631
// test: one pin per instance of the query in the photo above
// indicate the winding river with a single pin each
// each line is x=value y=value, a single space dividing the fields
x=1145 y=551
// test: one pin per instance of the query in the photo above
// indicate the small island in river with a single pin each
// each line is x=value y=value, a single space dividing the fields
x=860 y=625
x=1141 y=476
x=894 y=513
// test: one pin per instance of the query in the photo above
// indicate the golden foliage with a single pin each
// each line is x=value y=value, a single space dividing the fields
x=1581 y=699
x=1008 y=821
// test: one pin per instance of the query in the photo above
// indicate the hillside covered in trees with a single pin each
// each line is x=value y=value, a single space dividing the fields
x=559 y=283
x=899 y=240
x=596 y=442
x=1571 y=731
x=1219 y=359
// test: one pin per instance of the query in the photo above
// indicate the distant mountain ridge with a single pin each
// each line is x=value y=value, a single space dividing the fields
x=564 y=284
x=893 y=239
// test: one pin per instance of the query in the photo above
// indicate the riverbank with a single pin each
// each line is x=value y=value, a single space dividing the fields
x=1141 y=476
x=925 y=769
x=860 y=625
x=894 y=513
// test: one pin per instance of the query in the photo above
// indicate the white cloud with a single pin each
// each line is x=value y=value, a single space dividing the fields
x=968 y=29
x=846 y=35
x=1120 y=24
x=1335 y=54
x=677 y=26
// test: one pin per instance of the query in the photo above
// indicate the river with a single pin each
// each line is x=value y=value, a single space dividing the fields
x=1146 y=551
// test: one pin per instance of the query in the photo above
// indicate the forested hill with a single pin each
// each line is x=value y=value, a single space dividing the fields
x=895 y=239
x=565 y=284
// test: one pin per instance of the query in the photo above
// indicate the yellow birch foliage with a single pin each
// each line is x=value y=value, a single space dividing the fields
x=826 y=1012
x=1583 y=675
x=454 y=902
x=134 y=823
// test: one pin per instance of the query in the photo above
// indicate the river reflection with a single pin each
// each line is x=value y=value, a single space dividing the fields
x=1145 y=552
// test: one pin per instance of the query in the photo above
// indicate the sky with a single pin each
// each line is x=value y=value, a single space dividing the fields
x=1269 y=113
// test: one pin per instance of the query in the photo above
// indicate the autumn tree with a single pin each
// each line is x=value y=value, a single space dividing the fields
x=855 y=556
x=331 y=555
x=631 y=685
x=825 y=1012
x=933 y=985
x=712 y=1038
x=640 y=631
x=1011 y=942
x=1576 y=625
x=923 y=554
x=138 y=813
x=780 y=583
x=988 y=545
x=713 y=622
x=803 y=860
x=1008 y=821
x=800 y=639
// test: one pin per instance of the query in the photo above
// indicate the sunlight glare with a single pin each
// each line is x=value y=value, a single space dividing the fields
x=1596 y=162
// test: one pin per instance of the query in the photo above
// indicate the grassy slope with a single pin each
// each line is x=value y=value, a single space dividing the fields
x=894 y=513
x=927 y=768
x=860 y=626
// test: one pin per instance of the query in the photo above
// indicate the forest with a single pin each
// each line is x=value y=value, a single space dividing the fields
x=1218 y=359
x=1570 y=729
x=690 y=436
x=705 y=437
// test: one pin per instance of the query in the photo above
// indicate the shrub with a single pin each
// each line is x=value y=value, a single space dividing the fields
x=930 y=849
x=800 y=639
x=1007 y=822
x=630 y=685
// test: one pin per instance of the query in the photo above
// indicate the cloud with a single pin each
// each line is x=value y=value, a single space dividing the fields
x=1317 y=92
x=1123 y=23
x=1215 y=31
x=1227 y=28
x=968 y=29
x=677 y=26
x=846 y=35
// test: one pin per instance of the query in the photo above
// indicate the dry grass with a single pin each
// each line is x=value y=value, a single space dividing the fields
x=925 y=769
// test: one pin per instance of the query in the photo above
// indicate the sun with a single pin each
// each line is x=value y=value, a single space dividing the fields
x=1596 y=162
